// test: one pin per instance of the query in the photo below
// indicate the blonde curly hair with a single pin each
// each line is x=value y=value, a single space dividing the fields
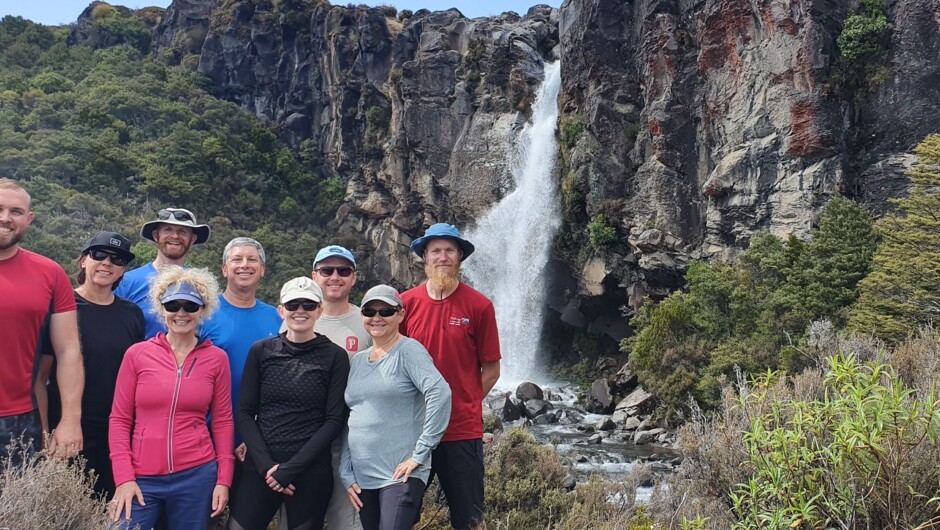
x=203 y=280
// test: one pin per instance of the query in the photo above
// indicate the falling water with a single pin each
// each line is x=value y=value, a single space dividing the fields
x=514 y=238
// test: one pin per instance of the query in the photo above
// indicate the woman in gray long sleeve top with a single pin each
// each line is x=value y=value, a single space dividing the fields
x=399 y=409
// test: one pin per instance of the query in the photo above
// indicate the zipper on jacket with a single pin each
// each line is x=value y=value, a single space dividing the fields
x=169 y=429
x=190 y=371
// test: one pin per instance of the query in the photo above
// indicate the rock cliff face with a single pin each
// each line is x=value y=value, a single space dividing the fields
x=687 y=125
x=413 y=111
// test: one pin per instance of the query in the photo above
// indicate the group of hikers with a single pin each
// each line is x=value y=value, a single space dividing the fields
x=185 y=400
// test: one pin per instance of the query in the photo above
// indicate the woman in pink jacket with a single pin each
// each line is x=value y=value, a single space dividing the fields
x=163 y=457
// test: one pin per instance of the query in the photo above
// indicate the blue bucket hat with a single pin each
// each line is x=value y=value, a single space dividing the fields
x=182 y=291
x=445 y=231
x=334 y=251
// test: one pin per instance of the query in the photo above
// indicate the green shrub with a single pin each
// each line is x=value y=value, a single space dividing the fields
x=863 y=454
x=524 y=486
x=601 y=232
x=571 y=128
x=864 y=35
x=472 y=81
x=377 y=119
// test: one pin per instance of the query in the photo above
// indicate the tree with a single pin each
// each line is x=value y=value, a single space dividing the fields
x=902 y=293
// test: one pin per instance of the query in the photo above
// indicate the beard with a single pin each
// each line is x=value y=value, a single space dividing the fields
x=442 y=279
x=14 y=240
x=173 y=252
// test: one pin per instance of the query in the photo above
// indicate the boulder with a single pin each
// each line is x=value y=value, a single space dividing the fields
x=645 y=437
x=606 y=364
x=625 y=381
x=620 y=417
x=527 y=391
x=535 y=407
x=505 y=408
x=606 y=424
x=633 y=423
x=569 y=417
x=636 y=402
x=599 y=400
x=595 y=439
x=545 y=419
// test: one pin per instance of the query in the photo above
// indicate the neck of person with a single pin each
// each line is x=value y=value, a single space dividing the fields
x=384 y=344
x=162 y=261
x=243 y=298
x=336 y=308
x=96 y=294
x=300 y=338
x=436 y=293
x=8 y=252
x=181 y=344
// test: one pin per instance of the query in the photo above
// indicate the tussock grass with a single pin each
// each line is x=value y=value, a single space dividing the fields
x=46 y=492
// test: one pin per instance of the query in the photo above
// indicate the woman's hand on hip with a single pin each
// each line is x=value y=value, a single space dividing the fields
x=403 y=470
x=124 y=497
x=353 y=493
x=219 y=499
x=273 y=484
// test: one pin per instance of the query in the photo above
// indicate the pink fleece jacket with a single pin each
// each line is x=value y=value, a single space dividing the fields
x=165 y=407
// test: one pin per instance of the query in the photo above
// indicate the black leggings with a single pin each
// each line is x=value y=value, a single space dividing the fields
x=394 y=507
x=254 y=503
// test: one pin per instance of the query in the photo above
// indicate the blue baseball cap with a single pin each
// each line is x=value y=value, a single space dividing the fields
x=334 y=251
x=445 y=231
x=182 y=291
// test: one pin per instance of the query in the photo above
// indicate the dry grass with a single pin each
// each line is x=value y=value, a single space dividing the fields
x=46 y=492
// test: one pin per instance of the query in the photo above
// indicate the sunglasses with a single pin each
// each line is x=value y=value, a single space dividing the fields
x=163 y=215
x=101 y=255
x=343 y=272
x=175 y=305
x=385 y=312
x=308 y=305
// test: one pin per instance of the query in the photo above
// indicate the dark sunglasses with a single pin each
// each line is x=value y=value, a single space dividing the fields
x=308 y=305
x=175 y=305
x=385 y=312
x=163 y=215
x=343 y=272
x=101 y=255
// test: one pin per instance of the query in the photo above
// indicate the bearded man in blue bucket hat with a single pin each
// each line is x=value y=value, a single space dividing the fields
x=457 y=325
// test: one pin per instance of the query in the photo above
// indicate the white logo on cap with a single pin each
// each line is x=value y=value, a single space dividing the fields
x=115 y=242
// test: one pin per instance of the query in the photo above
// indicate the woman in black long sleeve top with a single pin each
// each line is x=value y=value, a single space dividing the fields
x=290 y=409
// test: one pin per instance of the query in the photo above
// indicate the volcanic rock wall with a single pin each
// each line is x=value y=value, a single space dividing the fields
x=686 y=125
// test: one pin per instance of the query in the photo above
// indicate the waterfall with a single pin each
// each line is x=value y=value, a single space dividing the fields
x=513 y=239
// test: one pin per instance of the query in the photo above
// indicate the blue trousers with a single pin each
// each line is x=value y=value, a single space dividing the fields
x=185 y=497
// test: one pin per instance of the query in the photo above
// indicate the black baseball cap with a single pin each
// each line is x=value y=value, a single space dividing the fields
x=112 y=241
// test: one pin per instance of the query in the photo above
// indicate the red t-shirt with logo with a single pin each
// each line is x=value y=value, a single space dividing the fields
x=460 y=334
x=32 y=287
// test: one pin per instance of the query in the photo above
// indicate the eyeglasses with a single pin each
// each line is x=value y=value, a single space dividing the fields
x=308 y=305
x=175 y=305
x=179 y=215
x=343 y=272
x=101 y=255
x=385 y=312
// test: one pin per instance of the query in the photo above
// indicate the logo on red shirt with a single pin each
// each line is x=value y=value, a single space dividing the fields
x=459 y=321
x=352 y=343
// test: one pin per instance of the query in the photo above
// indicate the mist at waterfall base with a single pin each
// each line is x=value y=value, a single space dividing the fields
x=514 y=238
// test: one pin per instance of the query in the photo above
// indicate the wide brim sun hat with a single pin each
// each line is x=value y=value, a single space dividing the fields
x=442 y=231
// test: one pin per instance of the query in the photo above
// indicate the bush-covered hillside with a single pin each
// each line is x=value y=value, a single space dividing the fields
x=103 y=137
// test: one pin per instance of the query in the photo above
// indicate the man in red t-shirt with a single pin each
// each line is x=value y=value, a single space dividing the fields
x=457 y=325
x=33 y=289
